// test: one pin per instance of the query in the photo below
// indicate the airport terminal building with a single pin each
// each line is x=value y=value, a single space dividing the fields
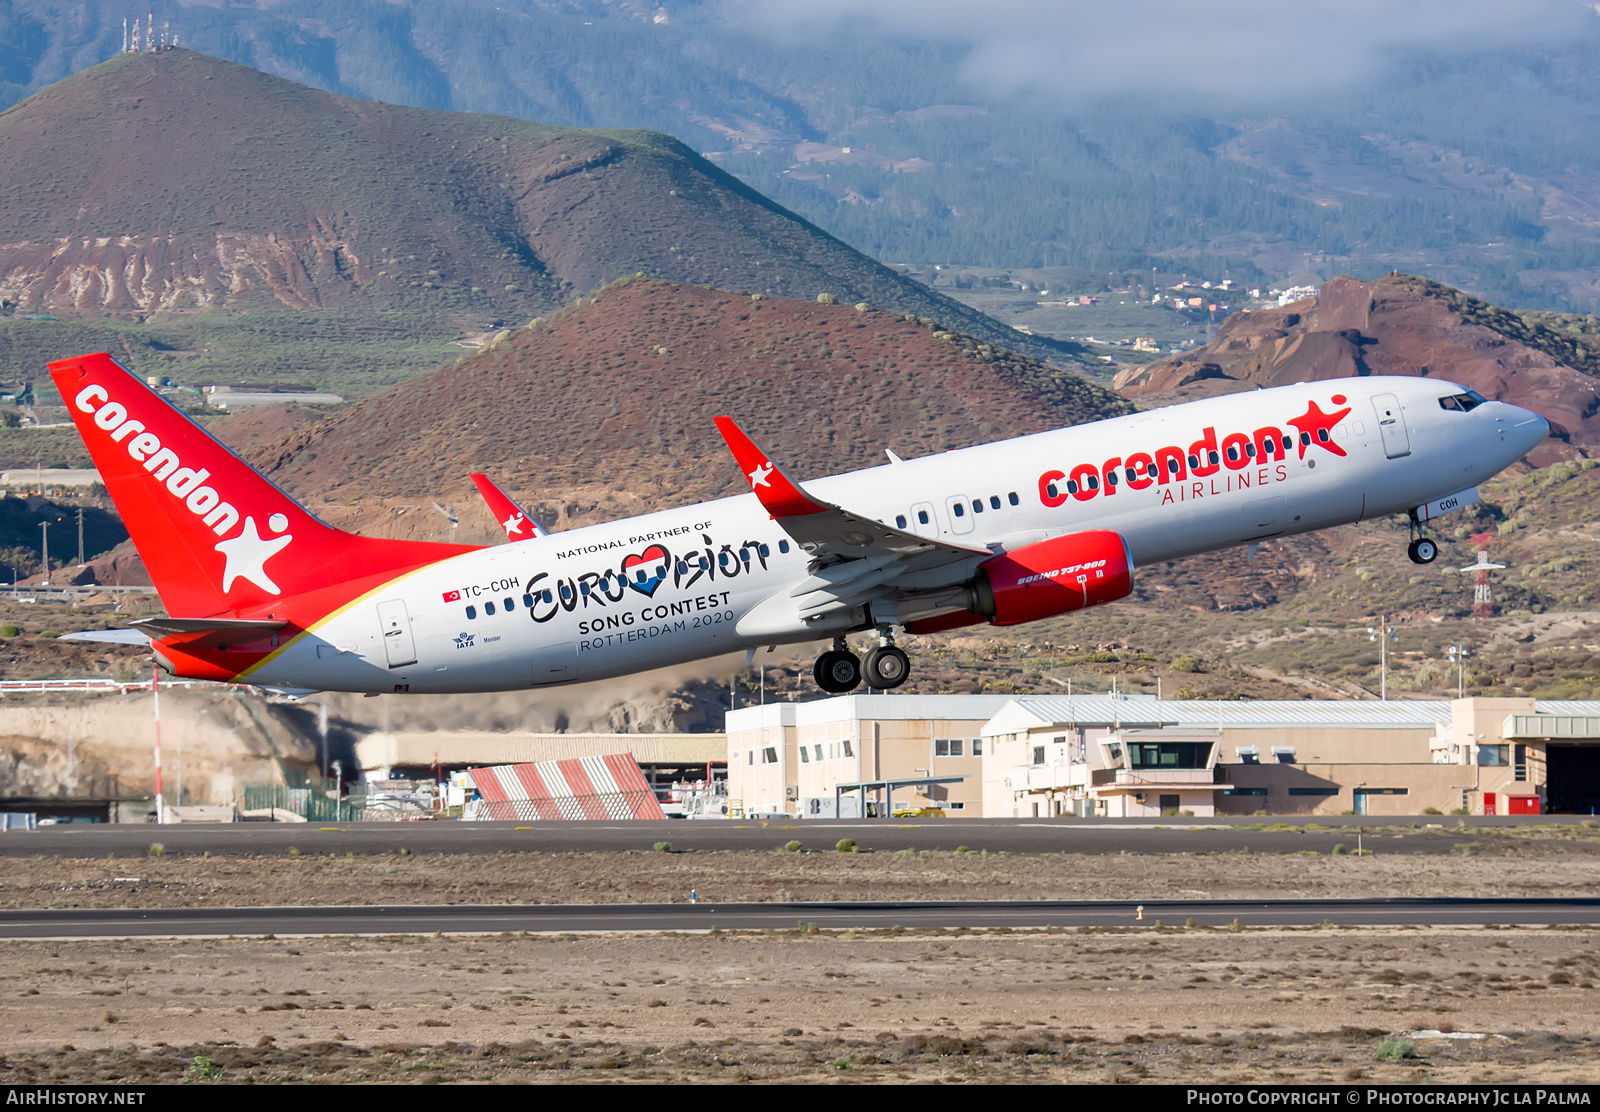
x=1131 y=756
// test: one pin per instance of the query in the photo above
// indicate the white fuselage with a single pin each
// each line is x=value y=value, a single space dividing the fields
x=465 y=624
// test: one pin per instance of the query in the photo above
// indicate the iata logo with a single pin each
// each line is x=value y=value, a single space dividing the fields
x=1239 y=460
x=245 y=553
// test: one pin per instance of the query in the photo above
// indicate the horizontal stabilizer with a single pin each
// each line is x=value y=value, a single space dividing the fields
x=166 y=627
x=108 y=636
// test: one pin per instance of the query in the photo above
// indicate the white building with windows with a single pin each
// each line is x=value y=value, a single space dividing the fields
x=856 y=754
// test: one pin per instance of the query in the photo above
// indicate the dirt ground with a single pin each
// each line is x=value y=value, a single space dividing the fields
x=1152 y=1003
x=1523 y=863
x=1131 y=1005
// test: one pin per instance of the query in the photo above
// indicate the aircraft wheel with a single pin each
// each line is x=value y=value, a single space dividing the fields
x=1423 y=551
x=887 y=667
x=837 y=672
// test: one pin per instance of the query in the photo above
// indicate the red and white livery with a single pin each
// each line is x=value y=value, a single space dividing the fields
x=260 y=591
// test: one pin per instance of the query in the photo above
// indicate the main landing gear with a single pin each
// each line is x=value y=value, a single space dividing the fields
x=1422 y=550
x=839 y=670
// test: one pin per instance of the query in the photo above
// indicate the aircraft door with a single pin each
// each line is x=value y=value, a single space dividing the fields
x=960 y=514
x=923 y=521
x=1392 y=426
x=398 y=644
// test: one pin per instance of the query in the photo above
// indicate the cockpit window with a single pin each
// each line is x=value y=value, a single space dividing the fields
x=1464 y=403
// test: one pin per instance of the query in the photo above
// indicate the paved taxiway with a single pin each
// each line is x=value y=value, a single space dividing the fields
x=1409 y=834
x=987 y=915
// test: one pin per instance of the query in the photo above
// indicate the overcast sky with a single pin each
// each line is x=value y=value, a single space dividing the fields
x=1228 y=49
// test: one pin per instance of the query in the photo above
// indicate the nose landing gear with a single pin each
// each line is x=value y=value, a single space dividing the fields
x=1422 y=549
x=839 y=670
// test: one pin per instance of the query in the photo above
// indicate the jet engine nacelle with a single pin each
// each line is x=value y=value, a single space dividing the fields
x=1053 y=577
x=1043 y=580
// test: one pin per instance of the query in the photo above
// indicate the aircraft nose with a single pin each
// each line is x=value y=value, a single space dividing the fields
x=1525 y=429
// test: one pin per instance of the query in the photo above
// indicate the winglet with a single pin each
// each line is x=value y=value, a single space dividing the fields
x=510 y=516
x=779 y=495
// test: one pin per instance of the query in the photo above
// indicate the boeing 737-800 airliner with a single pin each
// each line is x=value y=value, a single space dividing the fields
x=260 y=591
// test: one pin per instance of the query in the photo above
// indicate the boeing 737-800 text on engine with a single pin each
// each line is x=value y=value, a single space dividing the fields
x=262 y=592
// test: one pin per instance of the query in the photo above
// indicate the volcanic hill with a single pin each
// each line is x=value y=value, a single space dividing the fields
x=161 y=184
x=606 y=407
x=1401 y=325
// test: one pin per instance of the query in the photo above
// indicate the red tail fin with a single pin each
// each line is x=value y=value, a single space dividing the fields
x=216 y=536
x=517 y=524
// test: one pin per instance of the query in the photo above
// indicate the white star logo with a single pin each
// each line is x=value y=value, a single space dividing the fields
x=246 y=554
x=513 y=525
x=758 y=477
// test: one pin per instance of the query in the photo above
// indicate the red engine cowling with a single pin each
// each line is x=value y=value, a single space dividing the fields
x=1042 y=580
x=1053 y=577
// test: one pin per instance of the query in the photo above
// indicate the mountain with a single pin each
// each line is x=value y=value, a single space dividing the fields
x=605 y=408
x=1400 y=325
x=172 y=189
x=1472 y=162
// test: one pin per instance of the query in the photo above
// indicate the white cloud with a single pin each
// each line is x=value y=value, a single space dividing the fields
x=1214 y=48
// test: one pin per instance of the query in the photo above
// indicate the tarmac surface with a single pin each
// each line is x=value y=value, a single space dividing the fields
x=980 y=915
x=1292 y=834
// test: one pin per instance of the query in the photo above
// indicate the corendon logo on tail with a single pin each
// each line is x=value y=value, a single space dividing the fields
x=1238 y=461
x=245 y=553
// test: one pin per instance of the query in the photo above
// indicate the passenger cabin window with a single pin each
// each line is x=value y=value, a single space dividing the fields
x=472 y=612
x=994 y=501
x=488 y=610
x=783 y=546
x=511 y=605
x=1012 y=498
x=977 y=505
x=527 y=600
x=899 y=521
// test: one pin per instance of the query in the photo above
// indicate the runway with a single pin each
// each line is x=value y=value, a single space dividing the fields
x=1407 y=834
x=582 y=918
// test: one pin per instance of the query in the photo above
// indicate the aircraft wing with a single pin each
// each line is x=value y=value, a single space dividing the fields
x=856 y=560
x=517 y=524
